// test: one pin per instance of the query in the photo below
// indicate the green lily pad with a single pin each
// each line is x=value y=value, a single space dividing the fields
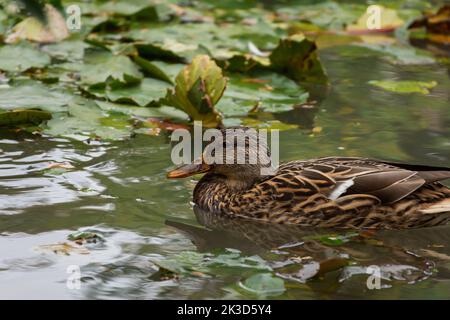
x=405 y=86
x=264 y=284
x=83 y=120
x=25 y=116
x=152 y=69
x=82 y=236
x=34 y=95
x=297 y=57
x=334 y=239
x=102 y=67
x=21 y=57
x=265 y=91
x=199 y=86
x=165 y=112
x=148 y=92
x=72 y=50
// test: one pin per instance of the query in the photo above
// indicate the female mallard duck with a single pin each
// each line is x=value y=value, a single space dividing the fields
x=337 y=192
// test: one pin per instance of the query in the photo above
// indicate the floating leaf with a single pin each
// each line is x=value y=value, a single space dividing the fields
x=84 y=119
x=335 y=239
x=264 y=284
x=438 y=22
x=103 y=67
x=199 y=86
x=404 y=86
x=81 y=237
x=21 y=57
x=152 y=69
x=148 y=92
x=34 y=30
x=23 y=117
x=297 y=57
x=33 y=95
x=72 y=50
x=266 y=91
x=63 y=248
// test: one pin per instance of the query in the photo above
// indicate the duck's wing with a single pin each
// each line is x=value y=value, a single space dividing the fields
x=387 y=181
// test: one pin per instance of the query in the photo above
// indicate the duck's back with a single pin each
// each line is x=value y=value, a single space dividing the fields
x=344 y=193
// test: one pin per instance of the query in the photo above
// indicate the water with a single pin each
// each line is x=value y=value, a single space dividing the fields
x=119 y=191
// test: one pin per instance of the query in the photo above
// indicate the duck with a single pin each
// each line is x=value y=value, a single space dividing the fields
x=328 y=192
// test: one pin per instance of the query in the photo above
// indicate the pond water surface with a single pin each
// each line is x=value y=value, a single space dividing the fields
x=119 y=191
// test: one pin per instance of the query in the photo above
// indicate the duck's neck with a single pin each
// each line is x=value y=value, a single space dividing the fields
x=214 y=191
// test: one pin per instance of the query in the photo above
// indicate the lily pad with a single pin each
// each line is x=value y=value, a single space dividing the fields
x=264 y=284
x=152 y=69
x=148 y=92
x=33 y=95
x=21 y=57
x=103 y=67
x=199 y=86
x=83 y=120
x=404 y=86
x=264 y=91
x=23 y=117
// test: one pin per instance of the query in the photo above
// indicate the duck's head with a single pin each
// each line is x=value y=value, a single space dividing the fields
x=237 y=155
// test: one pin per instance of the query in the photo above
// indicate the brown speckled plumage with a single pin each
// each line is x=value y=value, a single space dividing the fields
x=376 y=194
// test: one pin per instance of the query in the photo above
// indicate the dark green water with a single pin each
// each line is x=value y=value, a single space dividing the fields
x=119 y=191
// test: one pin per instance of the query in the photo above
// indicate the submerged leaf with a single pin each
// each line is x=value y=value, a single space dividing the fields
x=404 y=86
x=199 y=86
x=264 y=284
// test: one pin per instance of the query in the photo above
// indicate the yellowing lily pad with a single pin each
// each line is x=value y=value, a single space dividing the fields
x=404 y=86
x=34 y=30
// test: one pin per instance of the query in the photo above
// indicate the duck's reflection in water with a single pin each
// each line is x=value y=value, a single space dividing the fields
x=324 y=259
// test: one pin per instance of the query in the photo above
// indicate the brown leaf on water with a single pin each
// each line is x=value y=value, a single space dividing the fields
x=63 y=249
x=438 y=23
x=166 y=125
